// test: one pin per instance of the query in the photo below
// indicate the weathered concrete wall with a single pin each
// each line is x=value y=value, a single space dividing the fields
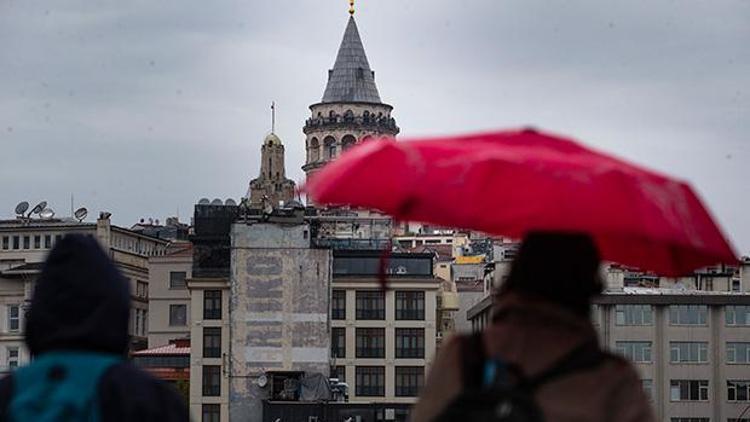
x=278 y=310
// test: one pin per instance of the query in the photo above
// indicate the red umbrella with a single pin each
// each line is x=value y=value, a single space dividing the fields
x=512 y=182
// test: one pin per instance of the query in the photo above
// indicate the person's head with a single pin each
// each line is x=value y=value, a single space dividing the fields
x=560 y=268
x=81 y=301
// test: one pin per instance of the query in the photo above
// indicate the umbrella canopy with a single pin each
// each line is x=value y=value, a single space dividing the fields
x=512 y=182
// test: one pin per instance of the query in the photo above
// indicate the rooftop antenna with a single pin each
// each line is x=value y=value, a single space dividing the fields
x=273 y=117
x=38 y=208
x=80 y=214
x=21 y=208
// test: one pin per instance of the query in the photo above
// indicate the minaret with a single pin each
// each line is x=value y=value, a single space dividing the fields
x=351 y=110
x=272 y=183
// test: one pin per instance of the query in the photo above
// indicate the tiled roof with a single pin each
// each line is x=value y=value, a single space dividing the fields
x=170 y=349
x=351 y=79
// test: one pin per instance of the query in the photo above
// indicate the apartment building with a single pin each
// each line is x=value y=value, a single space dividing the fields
x=168 y=296
x=382 y=340
x=691 y=347
x=24 y=245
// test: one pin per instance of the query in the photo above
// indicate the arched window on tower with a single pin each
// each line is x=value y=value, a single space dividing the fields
x=270 y=168
x=330 y=147
x=313 y=150
x=366 y=116
x=349 y=116
x=347 y=142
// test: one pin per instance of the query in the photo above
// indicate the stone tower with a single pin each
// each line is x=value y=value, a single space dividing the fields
x=351 y=110
x=272 y=182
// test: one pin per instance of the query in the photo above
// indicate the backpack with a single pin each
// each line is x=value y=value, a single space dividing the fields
x=59 y=386
x=496 y=391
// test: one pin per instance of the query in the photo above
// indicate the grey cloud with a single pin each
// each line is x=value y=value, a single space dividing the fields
x=141 y=108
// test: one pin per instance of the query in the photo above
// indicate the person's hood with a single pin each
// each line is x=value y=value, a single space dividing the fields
x=80 y=302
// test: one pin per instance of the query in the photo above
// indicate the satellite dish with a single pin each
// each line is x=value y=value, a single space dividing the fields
x=204 y=201
x=21 y=208
x=217 y=201
x=39 y=208
x=47 y=213
x=230 y=201
x=262 y=381
x=80 y=214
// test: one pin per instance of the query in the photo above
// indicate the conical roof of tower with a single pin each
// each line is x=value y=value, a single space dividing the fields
x=351 y=79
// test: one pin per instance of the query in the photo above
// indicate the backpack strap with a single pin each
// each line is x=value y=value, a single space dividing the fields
x=587 y=355
x=472 y=361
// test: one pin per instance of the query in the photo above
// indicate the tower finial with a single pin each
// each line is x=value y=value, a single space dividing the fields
x=351 y=7
x=273 y=117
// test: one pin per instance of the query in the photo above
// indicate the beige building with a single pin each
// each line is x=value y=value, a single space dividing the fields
x=382 y=341
x=168 y=295
x=24 y=245
x=209 y=341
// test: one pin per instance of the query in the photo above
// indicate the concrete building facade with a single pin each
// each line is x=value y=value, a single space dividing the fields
x=383 y=341
x=24 y=245
x=278 y=314
x=168 y=295
x=691 y=347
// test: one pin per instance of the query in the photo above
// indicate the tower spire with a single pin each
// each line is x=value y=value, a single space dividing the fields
x=273 y=116
x=351 y=7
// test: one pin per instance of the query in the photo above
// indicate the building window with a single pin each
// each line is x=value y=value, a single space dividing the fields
x=26 y=242
x=736 y=285
x=177 y=315
x=409 y=380
x=648 y=388
x=636 y=351
x=338 y=304
x=339 y=372
x=737 y=315
x=688 y=390
x=211 y=380
x=370 y=304
x=338 y=342
x=14 y=318
x=141 y=289
x=410 y=306
x=688 y=314
x=177 y=279
x=633 y=315
x=144 y=326
x=410 y=343
x=738 y=390
x=37 y=241
x=11 y=361
x=211 y=342
x=212 y=304
x=137 y=325
x=738 y=352
x=6 y=242
x=16 y=242
x=688 y=352
x=370 y=381
x=47 y=241
x=370 y=342
x=211 y=413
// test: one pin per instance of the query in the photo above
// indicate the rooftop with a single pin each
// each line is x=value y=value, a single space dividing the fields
x=351 y=79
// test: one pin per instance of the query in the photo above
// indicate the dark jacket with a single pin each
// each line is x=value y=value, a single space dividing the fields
x=82 y=303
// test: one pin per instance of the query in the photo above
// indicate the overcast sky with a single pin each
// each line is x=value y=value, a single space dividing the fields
x=141 y=108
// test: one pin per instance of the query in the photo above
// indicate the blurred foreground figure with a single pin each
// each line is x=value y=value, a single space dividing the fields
x=539 y=360
x=77 y=333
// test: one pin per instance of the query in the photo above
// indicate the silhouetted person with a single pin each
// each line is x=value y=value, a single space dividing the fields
x=77 y=333
x=539 y=359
